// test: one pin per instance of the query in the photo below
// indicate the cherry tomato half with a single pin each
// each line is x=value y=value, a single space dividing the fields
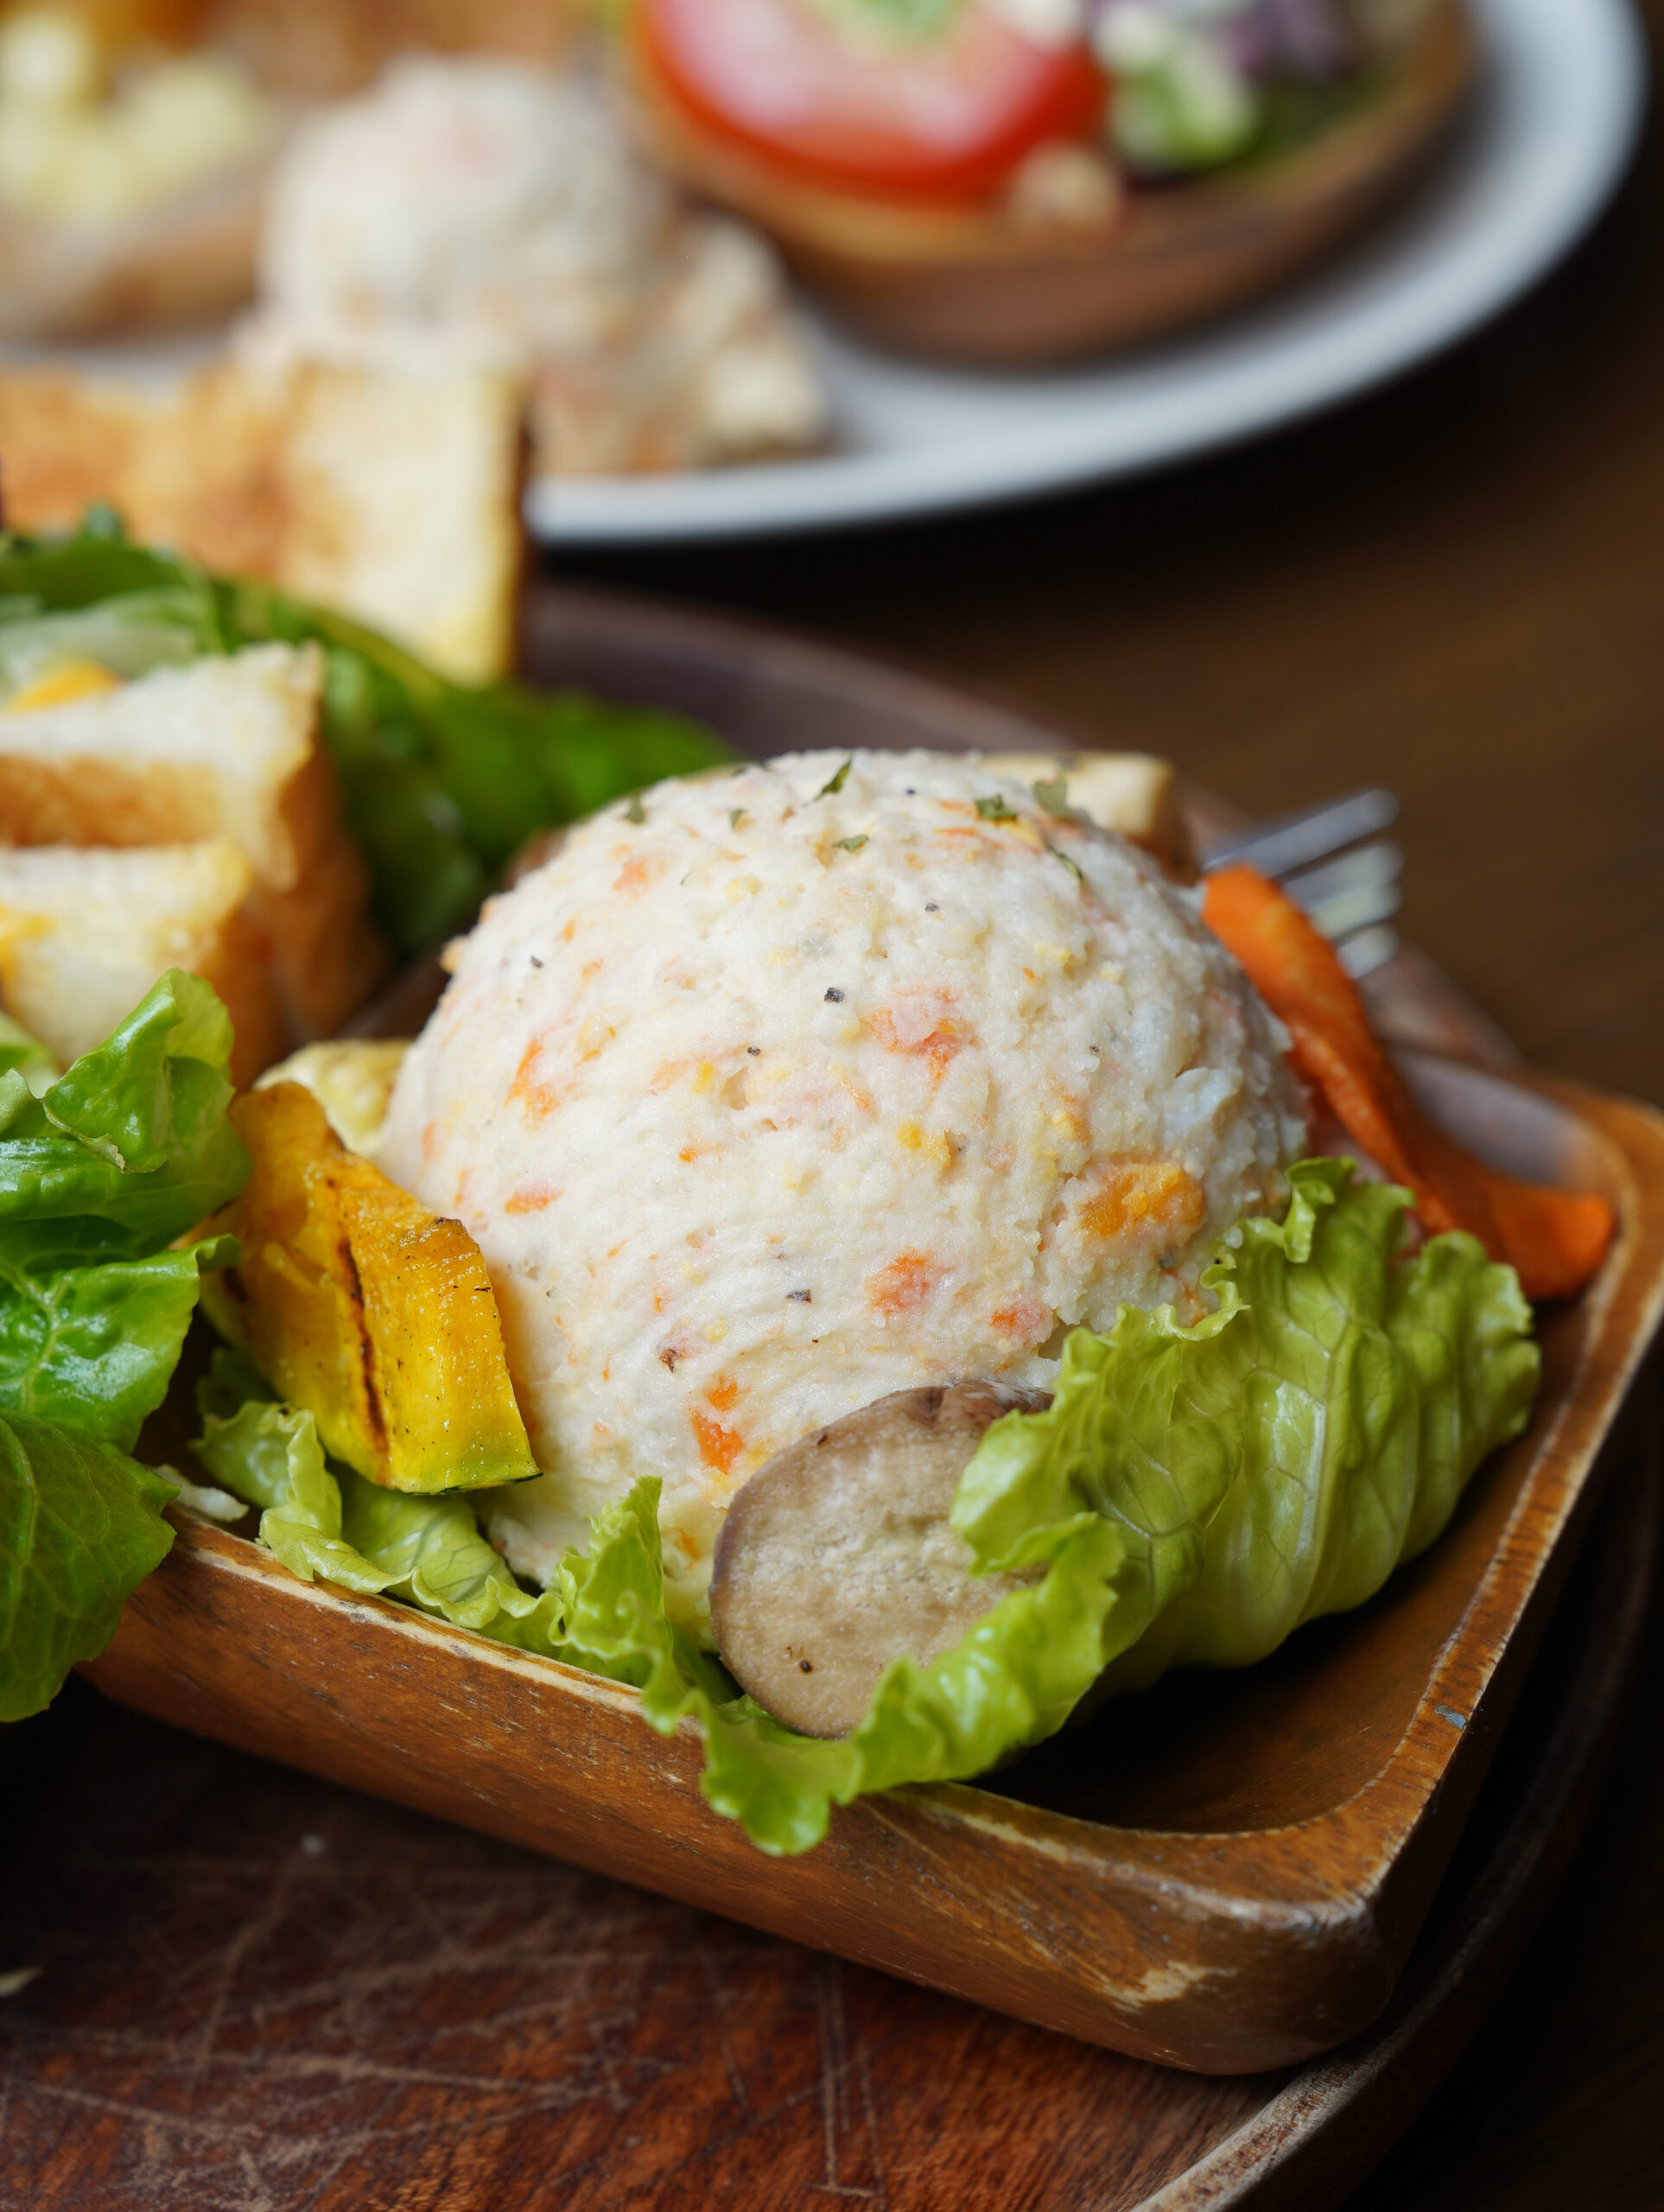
x=946 y=114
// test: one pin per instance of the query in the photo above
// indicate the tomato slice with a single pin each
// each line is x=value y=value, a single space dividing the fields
x=940 y=115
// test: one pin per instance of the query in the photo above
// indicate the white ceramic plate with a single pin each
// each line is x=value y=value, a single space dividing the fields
x=1560 y=100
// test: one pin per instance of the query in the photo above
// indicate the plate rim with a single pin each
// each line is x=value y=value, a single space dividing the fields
x=1438 y=300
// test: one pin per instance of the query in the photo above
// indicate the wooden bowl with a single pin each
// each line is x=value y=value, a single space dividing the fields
x=979 y=284
x=1226 y=1874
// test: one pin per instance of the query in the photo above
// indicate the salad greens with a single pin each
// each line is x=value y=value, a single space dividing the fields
x=441 y=782
x=100 y=1174
x=1193 y=1494
x=80 y=1528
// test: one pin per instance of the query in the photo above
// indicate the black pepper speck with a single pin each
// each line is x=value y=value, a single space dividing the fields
x=835 y=997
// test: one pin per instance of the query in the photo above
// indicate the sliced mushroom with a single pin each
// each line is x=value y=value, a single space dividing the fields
x=838 y=1555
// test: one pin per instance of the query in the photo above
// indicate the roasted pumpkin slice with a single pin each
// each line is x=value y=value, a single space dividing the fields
x=360 y=1305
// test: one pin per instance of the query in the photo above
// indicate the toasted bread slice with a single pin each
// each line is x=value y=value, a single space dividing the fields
x=406 y=494
x=1133 y=793
x=394 y=497
x=84 y=934
x=224 y=747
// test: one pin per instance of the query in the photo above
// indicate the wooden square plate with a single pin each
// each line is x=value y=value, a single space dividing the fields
x=1226 y=1874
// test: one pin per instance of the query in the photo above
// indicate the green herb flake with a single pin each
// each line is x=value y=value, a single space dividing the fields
x=736 y=815
x=850 y=844
x=1053 y=795
x=1064 y=858
x=829 y=789
x=635 y=811
x=994 y=809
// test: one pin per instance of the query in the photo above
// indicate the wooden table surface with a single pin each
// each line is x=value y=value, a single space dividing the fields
x=1456 y=588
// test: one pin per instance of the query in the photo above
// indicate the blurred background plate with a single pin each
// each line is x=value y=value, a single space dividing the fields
x=1548 y=138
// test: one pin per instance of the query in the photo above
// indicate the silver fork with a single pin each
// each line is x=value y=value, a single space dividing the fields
x=1330 y=861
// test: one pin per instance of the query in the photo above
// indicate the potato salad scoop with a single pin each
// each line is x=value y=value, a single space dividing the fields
x=838 y=1555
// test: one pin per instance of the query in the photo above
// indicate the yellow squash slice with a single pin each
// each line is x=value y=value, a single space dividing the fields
x=360 y=1305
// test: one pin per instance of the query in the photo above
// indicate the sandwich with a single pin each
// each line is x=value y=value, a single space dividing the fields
x=227 y=749
x=391 y=495
x=85 y=932
x=178 y=899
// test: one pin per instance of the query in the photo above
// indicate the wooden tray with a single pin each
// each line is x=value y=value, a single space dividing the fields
x=1227 y=1874
x=259 y=1989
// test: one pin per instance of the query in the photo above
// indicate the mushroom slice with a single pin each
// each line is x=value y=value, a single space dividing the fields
x=838 y=1555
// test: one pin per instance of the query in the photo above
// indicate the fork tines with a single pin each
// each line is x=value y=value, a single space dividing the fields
x=1351 y=889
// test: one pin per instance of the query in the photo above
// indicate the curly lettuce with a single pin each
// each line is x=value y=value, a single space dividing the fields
x=80 y=1528
x=101 y=1174
x=1194 y=1493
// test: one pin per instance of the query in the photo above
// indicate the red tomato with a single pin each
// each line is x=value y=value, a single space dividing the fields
x=947 y=115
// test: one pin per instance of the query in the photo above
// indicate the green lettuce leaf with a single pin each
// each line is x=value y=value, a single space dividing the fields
x=1193 y=1494
x=128 y=635
x=96 y=1347
x=1279 y=1459
x=116 y=1157
x=130 y=1147
x=323 y=1520
x=80 y=1527
x=1014 y=1679
x=153 y=1093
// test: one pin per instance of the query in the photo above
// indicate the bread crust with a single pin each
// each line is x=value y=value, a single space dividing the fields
x=78 y=775
x=393 y=496
x=83 y=936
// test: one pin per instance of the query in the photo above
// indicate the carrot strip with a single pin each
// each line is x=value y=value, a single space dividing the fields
x=1553 y=1239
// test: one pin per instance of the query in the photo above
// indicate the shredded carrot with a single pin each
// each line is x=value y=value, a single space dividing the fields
x=1553 y=1239
x=719 y=1447
x=530 y=1197
x=904 y=1284
x=1024 y=1317
x=1133 y=1193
